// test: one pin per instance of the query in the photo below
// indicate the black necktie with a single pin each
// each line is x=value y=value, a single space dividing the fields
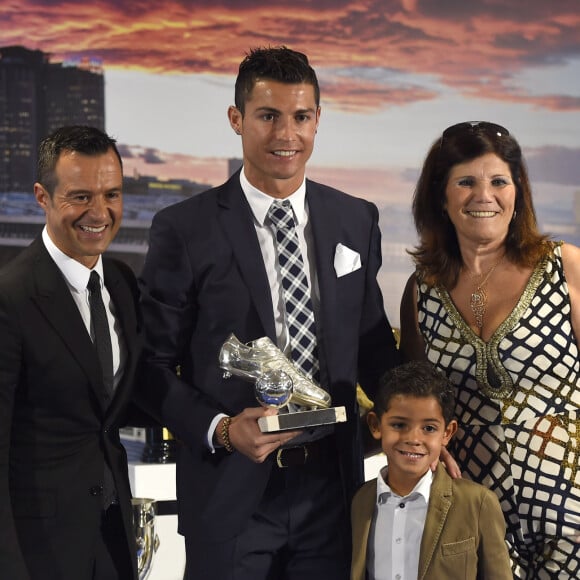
x=102 y=341
x=101 y=332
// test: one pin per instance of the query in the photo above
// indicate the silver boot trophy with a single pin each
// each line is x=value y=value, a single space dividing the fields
x=277 y=382
x=144 y=511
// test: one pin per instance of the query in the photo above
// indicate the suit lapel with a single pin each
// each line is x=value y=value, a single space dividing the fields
x=125 y=315
x=236 y=219
x=54 y=300
x=440 y=500
x=362 y=516
x=237 y=222
x=325 y=231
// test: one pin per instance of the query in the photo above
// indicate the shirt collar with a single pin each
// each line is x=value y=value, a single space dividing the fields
x=75 y=273
x=422 y=488
x=260 y=202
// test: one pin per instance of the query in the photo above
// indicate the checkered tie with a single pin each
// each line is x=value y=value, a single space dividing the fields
x=299 y=312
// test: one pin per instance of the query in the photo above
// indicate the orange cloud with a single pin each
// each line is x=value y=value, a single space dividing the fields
x=476 y=47
x=365 y=95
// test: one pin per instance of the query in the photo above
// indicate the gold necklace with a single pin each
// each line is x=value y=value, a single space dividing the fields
x=478 y=300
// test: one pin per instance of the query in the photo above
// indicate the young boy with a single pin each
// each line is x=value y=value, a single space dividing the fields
x=458 y=524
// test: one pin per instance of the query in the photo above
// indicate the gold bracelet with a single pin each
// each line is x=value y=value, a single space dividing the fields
x=225 y=433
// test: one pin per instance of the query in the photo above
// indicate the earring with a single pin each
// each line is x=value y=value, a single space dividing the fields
x=514 y=216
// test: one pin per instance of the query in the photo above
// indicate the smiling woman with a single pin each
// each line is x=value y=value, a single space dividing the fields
x=495 y=305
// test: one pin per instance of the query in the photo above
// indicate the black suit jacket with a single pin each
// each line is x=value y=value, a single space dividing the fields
x=204 y=278
x=56 y=427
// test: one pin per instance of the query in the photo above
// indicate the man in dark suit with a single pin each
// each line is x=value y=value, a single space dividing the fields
x=65 y=509
x=254 y=505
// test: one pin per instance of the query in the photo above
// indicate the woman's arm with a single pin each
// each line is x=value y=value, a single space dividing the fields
x=571 y=261
x=411 y=344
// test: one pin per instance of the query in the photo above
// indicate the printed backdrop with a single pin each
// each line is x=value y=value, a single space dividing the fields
x=393 y=75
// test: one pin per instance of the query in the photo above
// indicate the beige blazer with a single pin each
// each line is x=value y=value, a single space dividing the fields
x=463 y=537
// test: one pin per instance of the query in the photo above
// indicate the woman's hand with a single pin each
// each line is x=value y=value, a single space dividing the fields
x=450 y=464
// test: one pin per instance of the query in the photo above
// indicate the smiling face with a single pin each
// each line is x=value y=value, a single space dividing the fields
x=412 y=431
x=277 y=129
x=85 y=210
x=480 y=199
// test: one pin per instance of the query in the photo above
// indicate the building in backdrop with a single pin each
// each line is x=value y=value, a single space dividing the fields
x=36 y=97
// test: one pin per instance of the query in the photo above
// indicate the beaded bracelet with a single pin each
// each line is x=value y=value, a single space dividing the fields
x=225 y=433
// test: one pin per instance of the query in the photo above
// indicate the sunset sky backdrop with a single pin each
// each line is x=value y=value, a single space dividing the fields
x=393 y=75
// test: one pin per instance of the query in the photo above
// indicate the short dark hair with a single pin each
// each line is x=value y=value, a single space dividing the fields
x=416 y=379
x=279 y=64
x=437 y=255
x=81 y=138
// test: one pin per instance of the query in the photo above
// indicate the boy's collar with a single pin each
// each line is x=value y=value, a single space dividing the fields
x=422 y=487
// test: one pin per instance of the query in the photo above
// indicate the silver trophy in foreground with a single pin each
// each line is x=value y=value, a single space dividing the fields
x=277 y=382
x=144 y=511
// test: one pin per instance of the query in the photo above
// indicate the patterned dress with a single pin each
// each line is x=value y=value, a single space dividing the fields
x=518 y=401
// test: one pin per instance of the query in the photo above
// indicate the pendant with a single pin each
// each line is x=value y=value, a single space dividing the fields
x=478 y=303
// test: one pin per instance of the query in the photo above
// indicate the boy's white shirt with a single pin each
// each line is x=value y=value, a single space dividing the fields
x=396 y=530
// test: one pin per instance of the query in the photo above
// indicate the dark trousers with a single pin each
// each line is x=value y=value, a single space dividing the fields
x=112 y=556
x=300 y=531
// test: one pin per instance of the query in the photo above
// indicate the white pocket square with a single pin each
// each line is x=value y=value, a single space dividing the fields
x=345 y=260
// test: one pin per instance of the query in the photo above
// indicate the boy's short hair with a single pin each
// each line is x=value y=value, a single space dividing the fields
x=280 y=64
x=416 y=379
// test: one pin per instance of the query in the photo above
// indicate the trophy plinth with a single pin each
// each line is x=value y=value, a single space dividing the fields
x=278 y=382
x=302 y=419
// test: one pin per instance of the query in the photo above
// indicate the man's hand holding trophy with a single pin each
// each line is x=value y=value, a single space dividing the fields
x=278 y=383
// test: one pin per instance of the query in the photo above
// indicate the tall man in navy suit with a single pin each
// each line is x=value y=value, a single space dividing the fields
x=255 y=506
x=65 y=509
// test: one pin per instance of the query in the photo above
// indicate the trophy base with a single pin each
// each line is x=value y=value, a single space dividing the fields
x=302 y=419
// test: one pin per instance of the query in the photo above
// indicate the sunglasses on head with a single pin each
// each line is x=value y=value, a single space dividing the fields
x=475 y=127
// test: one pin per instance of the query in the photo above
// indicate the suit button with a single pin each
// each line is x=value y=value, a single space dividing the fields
x=96 y=490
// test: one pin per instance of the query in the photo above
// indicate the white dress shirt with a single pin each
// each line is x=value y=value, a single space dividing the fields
x=396 y=530
x=260 y=204
x=76 y=277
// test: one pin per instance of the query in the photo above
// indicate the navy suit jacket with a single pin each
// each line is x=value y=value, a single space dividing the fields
x=204 y=278
x=56 y=424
